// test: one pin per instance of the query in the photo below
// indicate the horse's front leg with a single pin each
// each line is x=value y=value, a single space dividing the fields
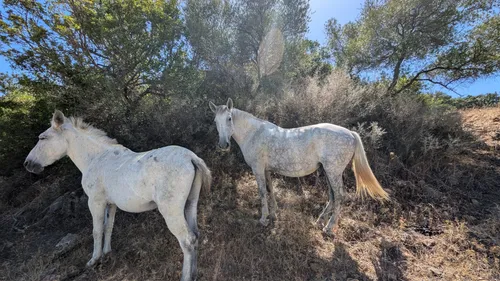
x=97 y=208
x=261 y=183
x=272 y=204
x=109 y=221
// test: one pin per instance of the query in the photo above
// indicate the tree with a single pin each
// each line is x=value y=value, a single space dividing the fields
x=234 y=38
x=103 y=51
x=22 y=117
x=433 y=41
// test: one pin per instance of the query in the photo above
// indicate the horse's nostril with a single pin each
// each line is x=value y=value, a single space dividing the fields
x=26 y=163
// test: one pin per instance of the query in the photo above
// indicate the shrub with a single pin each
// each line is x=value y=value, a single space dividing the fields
x=22 y=117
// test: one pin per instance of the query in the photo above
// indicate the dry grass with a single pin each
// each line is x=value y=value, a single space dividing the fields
x=484 y=123
x=234 y=246
x=443 y=223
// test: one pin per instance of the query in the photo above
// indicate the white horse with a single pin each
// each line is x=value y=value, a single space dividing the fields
x=168 y=178
x=296 y=152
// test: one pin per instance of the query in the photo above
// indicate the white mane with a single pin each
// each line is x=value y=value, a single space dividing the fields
x=88 y=129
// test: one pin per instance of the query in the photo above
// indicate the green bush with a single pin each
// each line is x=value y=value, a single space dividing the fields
x=22 y=117
x=438 y=98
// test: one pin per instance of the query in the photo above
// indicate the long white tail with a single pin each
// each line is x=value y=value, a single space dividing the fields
x=366 y=183
x=203 y=171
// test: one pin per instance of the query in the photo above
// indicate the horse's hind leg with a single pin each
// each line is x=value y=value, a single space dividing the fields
x=336 y=198
x=173 y=212
x=272 y=204
x=329 y=205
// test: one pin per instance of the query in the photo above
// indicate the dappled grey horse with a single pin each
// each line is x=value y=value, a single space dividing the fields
x=168 y=178
x=295 y=153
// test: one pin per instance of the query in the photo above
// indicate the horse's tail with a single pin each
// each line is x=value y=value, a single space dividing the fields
x=365 y=179
x=202 y=173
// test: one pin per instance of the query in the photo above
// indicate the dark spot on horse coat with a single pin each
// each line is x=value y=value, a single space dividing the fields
x=116 y=152
x=156 y=159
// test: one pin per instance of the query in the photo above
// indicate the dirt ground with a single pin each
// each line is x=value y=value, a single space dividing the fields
x=484 y=123
x=448 y=231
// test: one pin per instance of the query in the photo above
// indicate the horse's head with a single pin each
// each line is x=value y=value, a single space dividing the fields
x=51 y=146
x=224 y=122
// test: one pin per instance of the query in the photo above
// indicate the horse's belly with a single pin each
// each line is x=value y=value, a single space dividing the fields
x=134 y=205
x=294 y=169
x=132 y=197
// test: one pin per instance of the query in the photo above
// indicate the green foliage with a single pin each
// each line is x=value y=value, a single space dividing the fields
x=442 y=99
x=439 y=42
x=98 y=51
x=227 y=39
x=306 y=59
x=22 y=117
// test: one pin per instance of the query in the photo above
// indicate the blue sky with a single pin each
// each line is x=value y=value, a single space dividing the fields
x=345 y=11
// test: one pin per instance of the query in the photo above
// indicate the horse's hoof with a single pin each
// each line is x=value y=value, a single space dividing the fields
x=264 y=222
x=91 y=262
x=329 y=232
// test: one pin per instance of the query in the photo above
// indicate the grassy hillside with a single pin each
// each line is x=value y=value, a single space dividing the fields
x=451 y=232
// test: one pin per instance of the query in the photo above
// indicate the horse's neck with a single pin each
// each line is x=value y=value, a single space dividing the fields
x=83 y=148
x=245 y=125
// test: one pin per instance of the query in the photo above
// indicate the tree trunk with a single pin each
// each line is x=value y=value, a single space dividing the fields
x=395 y=75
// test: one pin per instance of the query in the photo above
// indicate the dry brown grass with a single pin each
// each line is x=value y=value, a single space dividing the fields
x=373 y=243
x=234 y=246
x=484 y=123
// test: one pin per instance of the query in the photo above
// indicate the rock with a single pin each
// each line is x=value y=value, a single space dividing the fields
x=316 y=267
x=429 y=243
x=73 y=271
x=56 y=205
x=496 y=136
x=475 y=202
x=67 y=243
x=7 y=244
x=52 y=277
x=436 y=271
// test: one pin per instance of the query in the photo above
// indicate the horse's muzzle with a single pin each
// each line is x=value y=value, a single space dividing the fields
x=33 y=167
x=225 y=146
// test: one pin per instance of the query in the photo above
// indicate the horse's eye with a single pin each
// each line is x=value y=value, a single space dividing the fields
x=229 y=119
x=42 y=138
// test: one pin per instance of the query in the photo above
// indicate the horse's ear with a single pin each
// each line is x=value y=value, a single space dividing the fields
x=57 y=119
x=213 y=107
x=229 y=104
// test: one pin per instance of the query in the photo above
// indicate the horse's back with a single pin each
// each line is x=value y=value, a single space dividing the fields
x=299 y=151
x=133 y=181
x=323 y=132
